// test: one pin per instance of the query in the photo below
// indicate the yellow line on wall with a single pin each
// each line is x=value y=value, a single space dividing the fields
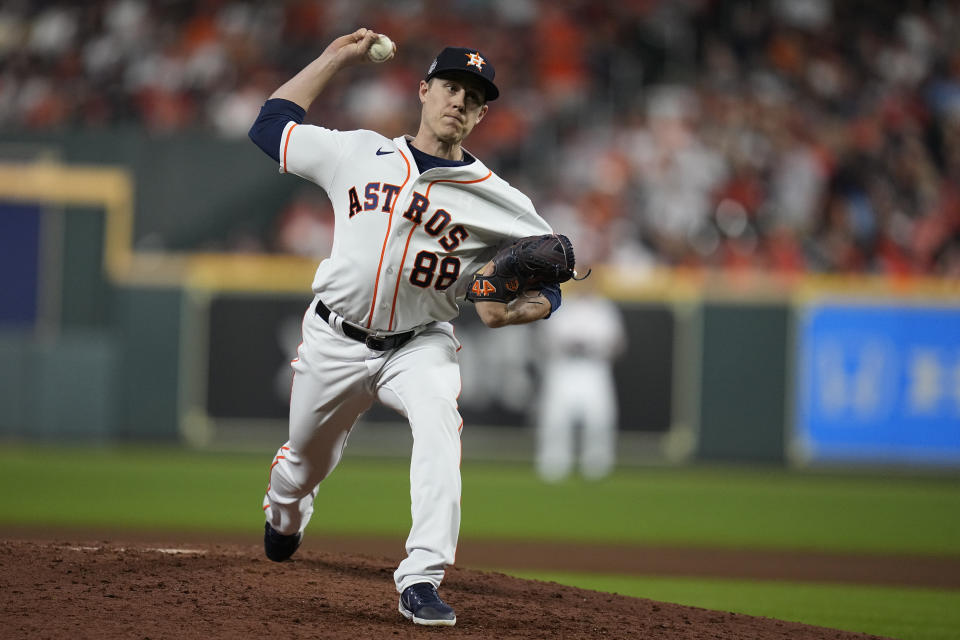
x=110 y=188
x=250 y=272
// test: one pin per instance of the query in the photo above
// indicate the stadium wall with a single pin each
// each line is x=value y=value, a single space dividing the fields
x=114 y=334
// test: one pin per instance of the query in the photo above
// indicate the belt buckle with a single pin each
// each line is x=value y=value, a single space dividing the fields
x=376 y=341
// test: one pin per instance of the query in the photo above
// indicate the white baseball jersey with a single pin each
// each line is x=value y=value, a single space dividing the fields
x=406 y=244
x=405 y=248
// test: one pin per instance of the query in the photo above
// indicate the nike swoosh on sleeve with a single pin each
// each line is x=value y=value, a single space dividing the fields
x=381 y=152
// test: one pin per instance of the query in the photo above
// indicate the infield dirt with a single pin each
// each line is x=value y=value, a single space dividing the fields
x=96 y=589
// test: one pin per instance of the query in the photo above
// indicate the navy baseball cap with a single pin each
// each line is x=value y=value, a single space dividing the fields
x=467 y=60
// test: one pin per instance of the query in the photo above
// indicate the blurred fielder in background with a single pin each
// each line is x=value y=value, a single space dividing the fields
x=578 y=395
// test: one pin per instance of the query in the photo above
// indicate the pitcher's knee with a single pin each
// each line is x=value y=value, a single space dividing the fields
x=290 y=477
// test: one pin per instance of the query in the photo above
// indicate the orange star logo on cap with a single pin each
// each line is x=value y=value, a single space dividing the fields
x=474 y=59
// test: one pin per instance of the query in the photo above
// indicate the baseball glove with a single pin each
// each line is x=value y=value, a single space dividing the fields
x=529 y=263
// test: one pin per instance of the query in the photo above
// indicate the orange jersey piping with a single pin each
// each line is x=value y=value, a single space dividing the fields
x=386 y=239
x=286 y=143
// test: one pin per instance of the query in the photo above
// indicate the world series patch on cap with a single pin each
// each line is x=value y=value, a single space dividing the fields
x=467 y=60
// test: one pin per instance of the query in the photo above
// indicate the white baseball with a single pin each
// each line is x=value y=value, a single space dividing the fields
x=381 y=49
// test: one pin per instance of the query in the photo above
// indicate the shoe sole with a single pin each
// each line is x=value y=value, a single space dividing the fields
x=424 y=621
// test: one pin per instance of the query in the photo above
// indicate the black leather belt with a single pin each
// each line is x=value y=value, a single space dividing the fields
x=373 y=341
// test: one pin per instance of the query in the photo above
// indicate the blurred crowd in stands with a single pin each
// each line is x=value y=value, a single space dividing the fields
x=782 y=135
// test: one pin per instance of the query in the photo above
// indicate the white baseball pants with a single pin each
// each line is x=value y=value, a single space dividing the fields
x=335 y=380
x=577 y=393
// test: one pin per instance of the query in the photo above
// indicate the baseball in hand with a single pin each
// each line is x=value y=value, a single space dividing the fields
x=381 y=49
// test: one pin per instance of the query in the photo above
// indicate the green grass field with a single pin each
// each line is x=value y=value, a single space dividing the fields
x=908 y=613
x=164 y=489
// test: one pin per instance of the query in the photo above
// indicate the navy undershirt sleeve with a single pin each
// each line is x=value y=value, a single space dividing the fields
x=552 y=293
x=267 y=129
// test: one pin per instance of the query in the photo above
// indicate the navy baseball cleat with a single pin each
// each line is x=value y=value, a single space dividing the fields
x=420 y=603
x=277 y=546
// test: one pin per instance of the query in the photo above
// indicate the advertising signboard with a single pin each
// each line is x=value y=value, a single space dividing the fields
x=879 y=384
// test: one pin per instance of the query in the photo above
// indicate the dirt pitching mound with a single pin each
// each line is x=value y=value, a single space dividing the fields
x=109 y=590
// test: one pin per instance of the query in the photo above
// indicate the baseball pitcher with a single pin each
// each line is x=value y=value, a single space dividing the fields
x=420 y=225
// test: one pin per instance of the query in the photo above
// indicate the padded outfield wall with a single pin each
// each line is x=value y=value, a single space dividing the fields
x=120 y=323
